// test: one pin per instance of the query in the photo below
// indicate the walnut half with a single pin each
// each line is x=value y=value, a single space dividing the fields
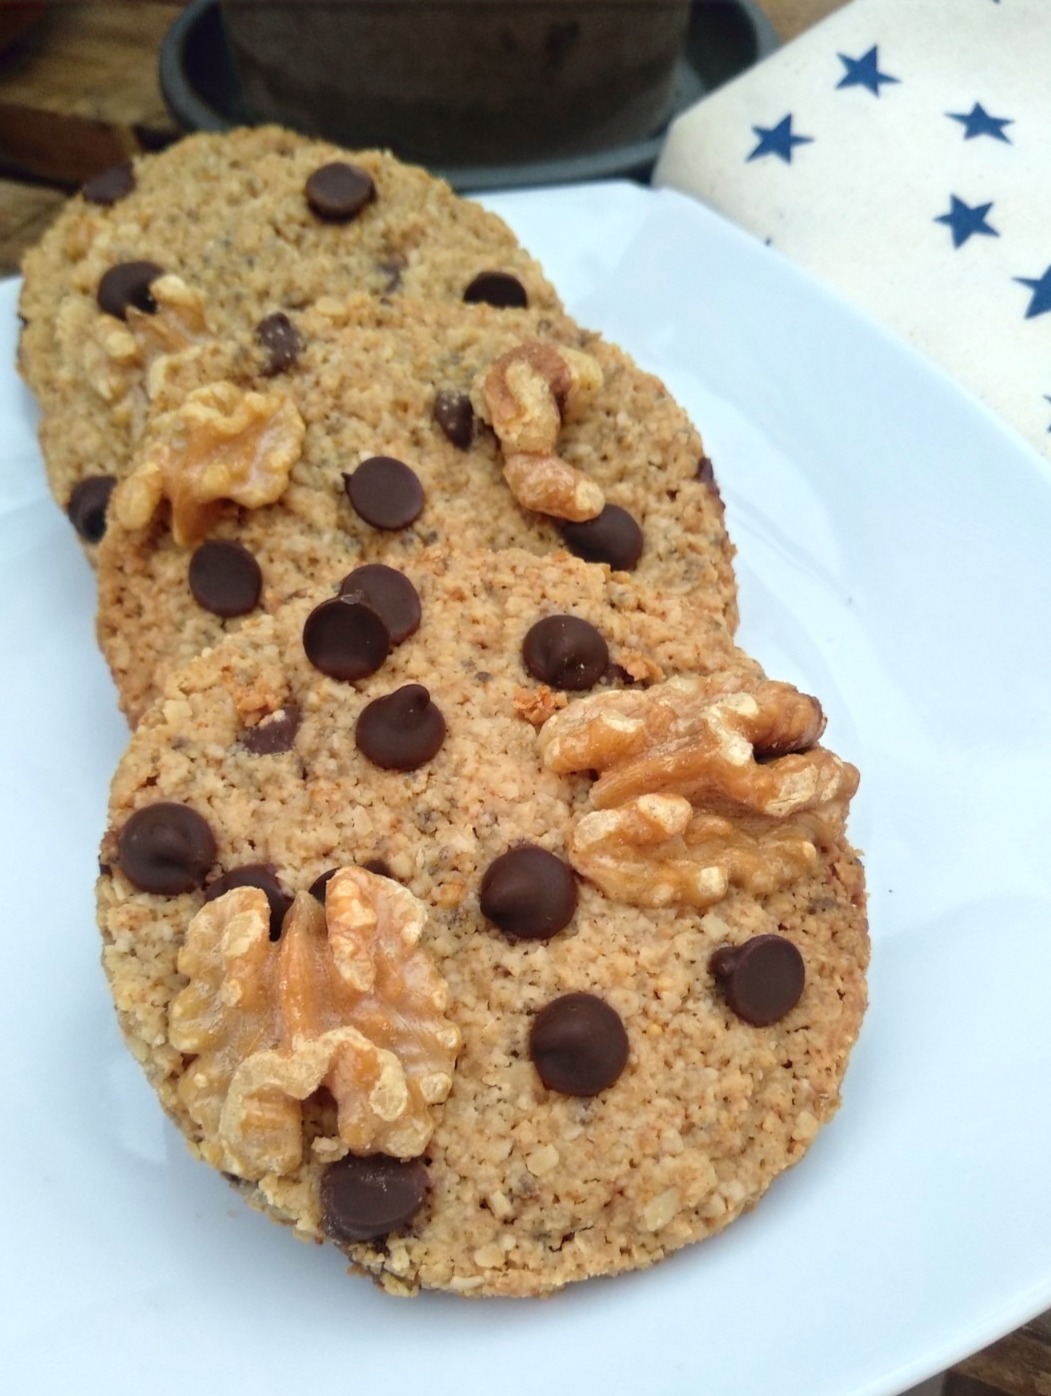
x=525 y=395
x=345 y=1000
x=220 y=443
x=703 y=784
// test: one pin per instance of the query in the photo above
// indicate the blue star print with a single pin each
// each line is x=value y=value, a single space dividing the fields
x=966 y=221
x=978 y=122
x=864 y=71
x=1041 y=289
x=778 y=140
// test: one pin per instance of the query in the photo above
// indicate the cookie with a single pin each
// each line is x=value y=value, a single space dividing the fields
x=214 y=236
x=390 y=455
x=591 y=966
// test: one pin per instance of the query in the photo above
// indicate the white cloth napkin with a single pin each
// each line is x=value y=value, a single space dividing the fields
x=901 y=151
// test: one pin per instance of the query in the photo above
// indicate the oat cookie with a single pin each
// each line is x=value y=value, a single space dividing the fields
x=377 y=443
x=213 y=236
x=587 y=978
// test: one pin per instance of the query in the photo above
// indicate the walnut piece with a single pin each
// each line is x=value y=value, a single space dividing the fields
x=119 y=354
x=220 y=443
x=525 y=396
x=703 y=784
x=345 y=1000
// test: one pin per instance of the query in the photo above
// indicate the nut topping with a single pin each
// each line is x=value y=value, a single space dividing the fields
x=525 y=396
x=703 y=785
x=118 y=354
x=221 y=443
x=345 y=1000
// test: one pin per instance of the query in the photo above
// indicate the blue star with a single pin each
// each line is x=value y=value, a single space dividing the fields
x=864 y=71
x=966 y=221
x=777 y=140
x=1041 y=289
x=978 y=122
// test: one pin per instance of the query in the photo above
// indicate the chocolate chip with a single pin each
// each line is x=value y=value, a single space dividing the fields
x=363 y=1199
x=401 y=731
x=225 y=578
x=128 y=284
x=612 y=537
x=578 y=1044
x=111 y=185
x=565 y=652
x=379 y=866
x=275 y=734
x=263 y=876
x=455 y=415
x=497 y=288
x=390 y=594
x=339 y=191
x=706 y=475
x=761 y=980
x=319 y=887
x=385 y=492
x=166 y=848
x=281 y=340
x=529 y=893
x=345 y=639
x=87 y=506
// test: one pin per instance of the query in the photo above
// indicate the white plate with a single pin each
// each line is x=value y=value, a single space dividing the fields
x=893 y=546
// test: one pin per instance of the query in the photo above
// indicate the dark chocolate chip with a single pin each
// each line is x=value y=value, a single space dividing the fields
x=128 y=284
x=275 y=734
x=565 y=652
x=263 y=876
x=578 y=1044
x=497 y=288
x=529 y=893
x=339 y=191
x=319 y=887
x=706 y=475
x=281 y=340
x=402 y=731
x=225 y=578
x=345 y=639
x=166 y=848
x=363 y=1199
x=761 y=980
x=613 y=537
x=455 y=415
x=111 y=185
x=385 y=492
x=390 y=594
x=87 y=506
x=617 y=674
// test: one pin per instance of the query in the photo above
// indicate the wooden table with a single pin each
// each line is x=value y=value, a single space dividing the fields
x=78 y=92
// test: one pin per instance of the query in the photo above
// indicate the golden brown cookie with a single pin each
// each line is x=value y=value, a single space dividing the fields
x=376 y=437
x=598 y=983
x=214 y=236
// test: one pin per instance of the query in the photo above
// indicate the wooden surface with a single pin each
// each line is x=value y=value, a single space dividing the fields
x=78 y=93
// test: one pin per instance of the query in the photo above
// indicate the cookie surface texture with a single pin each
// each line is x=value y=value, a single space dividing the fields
x=666 y=1112
x=229 y=223
x=386 y=388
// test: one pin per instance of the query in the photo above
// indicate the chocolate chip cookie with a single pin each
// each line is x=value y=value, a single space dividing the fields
x=214 y=236
x=388 y=428
x=445 y=940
